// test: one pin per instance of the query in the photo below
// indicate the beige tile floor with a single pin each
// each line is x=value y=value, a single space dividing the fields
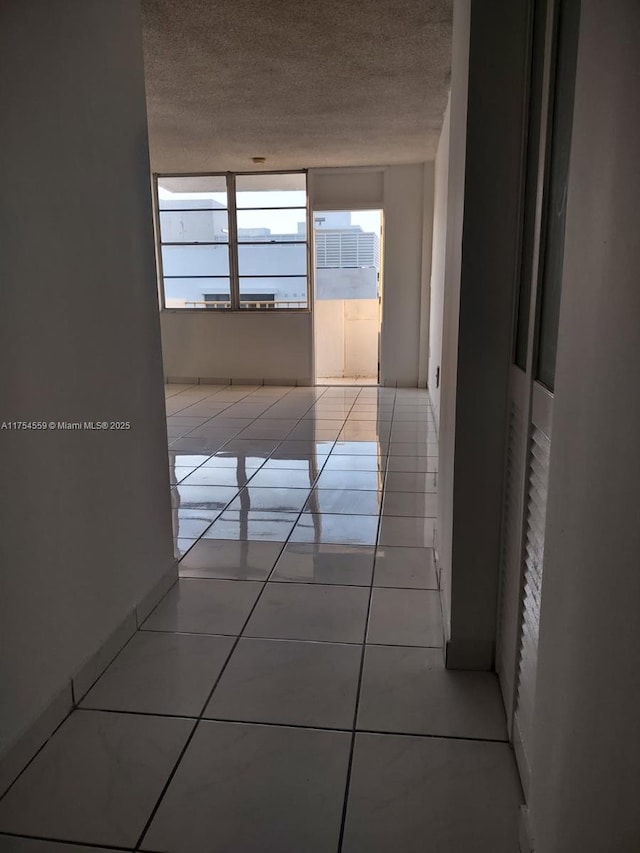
x=288 y=694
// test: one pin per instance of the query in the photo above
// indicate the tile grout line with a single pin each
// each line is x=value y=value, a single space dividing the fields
x=37 y=753
x=81 y=844
x=298 y=639
x=347 y=788
x=274 y=724
x=201 y=715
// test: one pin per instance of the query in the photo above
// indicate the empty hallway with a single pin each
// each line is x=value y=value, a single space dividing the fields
x=353 y=616
x=288 y=693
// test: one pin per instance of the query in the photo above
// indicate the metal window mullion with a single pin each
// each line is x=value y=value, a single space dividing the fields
x=233 y=242
x=288 y=207
x=195 y=243
x=268 y=275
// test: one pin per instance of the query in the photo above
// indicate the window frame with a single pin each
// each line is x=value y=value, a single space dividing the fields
x=234 y=244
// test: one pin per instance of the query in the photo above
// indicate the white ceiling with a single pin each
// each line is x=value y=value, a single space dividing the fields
x=302 y=83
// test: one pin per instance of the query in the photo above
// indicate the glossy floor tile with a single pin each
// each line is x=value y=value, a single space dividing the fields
x=213 y=476
x=203 y=497
x=344 y=462
x=204 y=607
x=412 y=504
x=344 y=501
x=416 y=794
x=97 y=779
x=367 y=480
x=410 y=617
x=350 y=565
x=289 y=682
x=359 y=447
x=16 y=844
x=226 y=795
x=261 y=525
x=412 y=568
x=407 y=689
x=411 y=482
x=161 y=673
x=306 y=619
x=306 y=461
x=336 y=529
x=191 y=523
x=333 y=614
x=410 y=532
x=277 y=478
x=272 y=500
x=238 y=559
x=412 y=464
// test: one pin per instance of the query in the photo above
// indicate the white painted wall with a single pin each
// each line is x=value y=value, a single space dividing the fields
x=271 y=346
x=346 y=189
x=402 y=274
x=586 y=757
x=425 y=285
x=436 y=315
x=86 y=515
x=455 y=181
x=489 y=57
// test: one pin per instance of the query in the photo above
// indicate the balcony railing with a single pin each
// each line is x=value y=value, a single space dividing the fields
x=248 y=303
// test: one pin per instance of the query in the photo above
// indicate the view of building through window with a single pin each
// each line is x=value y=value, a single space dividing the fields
x=241 y=242
x=347 y=254
x=234 y=241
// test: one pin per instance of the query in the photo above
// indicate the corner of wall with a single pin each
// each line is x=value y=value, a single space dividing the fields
x=37 y=731
x=525 y=839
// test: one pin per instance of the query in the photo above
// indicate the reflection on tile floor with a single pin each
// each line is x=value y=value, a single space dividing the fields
x=289 y=692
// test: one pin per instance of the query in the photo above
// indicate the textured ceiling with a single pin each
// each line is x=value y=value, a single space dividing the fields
x=302 y=83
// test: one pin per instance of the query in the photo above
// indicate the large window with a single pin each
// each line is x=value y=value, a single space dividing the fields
x=233 y=241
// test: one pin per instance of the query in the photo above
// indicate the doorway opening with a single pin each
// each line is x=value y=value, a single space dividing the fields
x=347 y=296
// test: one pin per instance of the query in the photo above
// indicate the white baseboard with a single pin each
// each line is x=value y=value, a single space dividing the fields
x=247 y=380
x=39 y=729
x=470 y=654
x=213 y=380
x=160 y=589
x=96 y=663
x=285 y=382
x=182 y=380
x=304 y=381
